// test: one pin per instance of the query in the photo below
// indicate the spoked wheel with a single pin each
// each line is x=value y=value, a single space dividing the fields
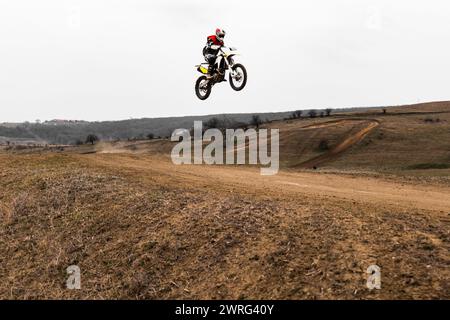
x=238 y=77
x=202 y=88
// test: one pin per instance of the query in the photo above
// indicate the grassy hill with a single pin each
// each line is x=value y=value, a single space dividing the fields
x=404 y=138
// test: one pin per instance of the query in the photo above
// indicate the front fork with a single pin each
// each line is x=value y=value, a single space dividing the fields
x=214 y=79
x=217 y=65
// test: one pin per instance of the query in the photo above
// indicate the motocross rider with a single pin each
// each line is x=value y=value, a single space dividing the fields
x=213 y=44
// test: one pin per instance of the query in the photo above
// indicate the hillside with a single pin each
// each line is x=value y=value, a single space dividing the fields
x=65 y=132
x=410 y=137
x=71 y=132
x=140 y=227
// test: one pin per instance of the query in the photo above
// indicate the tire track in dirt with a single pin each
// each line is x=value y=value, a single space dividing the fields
x=342 y=146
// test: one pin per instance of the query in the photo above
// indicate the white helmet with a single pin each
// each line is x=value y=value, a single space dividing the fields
x=220 y=34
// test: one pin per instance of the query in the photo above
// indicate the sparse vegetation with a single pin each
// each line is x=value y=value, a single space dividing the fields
x=429 y=166
x=312 y=113
x=431 y=120
x=328 y=111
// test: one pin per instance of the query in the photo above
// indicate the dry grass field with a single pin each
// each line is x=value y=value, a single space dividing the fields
x=140 y=227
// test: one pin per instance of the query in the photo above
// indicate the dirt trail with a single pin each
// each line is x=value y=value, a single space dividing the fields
x=329 y=123
x=248 y=180
x=342 y=146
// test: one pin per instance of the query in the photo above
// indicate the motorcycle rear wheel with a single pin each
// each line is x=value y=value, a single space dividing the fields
x=202 y=88
x=238 y=82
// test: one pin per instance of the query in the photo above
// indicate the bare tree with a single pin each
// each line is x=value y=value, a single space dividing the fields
x=91 y=138
x=328 y=111
x=312 y=113
x=256 y=121
x=212 y=123
x=297 y=114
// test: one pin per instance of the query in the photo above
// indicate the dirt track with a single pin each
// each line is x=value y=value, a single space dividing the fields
x=250 y=181
x=342 y=146
x=324 y=228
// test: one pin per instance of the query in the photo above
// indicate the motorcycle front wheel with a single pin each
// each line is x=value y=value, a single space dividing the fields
x=238 y=77
x=202 y=88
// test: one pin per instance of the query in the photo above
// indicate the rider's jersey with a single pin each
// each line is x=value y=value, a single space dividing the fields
x=212 y=40
x=210 y=53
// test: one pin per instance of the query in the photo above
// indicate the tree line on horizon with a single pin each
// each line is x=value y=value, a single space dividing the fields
x=80 y=132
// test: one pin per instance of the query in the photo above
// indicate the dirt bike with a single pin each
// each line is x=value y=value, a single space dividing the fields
x=224 y=62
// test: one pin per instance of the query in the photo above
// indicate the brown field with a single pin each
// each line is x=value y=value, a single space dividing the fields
x=140 y=227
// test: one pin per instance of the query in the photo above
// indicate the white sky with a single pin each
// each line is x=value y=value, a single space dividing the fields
x=110 y=59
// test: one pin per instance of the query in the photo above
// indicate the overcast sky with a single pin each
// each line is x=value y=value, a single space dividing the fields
x=110 y=59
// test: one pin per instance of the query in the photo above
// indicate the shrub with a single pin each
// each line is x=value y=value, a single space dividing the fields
x=297 y=114
x=91 y=138
x=256 y=121
x=323 y=145
x=312 y=113
x=212 y=123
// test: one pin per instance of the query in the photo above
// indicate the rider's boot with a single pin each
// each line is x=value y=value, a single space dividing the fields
x=211 y=70
x=222 y=76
